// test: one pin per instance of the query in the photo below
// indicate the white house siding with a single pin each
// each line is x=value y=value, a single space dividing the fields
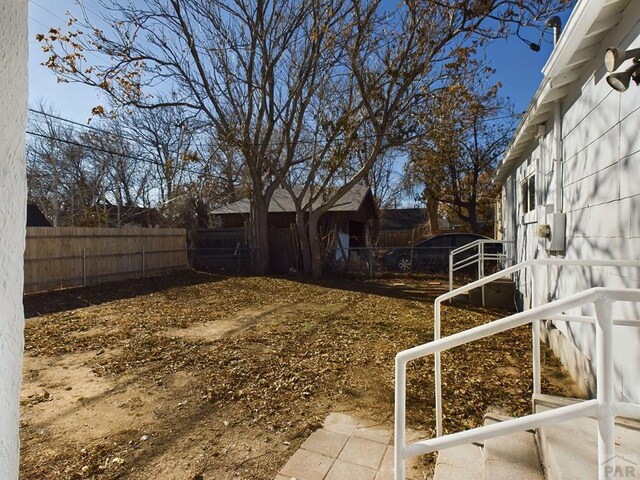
x=601 y=198
x=13 y=105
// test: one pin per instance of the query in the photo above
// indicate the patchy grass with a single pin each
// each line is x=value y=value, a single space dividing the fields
x=202 y=376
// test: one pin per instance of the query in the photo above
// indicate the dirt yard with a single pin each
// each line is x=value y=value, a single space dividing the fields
x=199 y=376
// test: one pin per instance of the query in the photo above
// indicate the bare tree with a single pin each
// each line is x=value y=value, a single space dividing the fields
x=252 y=69
x=224 y=60
x=168 y=139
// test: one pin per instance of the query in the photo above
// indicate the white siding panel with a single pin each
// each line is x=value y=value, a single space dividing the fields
x=593 y=157
x=634 y=221
x=630 y=175
x=601 y=187
x=591 y=119
x=578 y=223
x=607 y=220
x=630 y=137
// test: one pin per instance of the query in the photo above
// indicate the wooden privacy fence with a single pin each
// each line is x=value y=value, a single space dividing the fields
x=65 y=257
x=399 y=238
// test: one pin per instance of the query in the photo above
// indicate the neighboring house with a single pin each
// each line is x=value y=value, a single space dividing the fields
x=352 y=220
x=128 y=216
x=35 y=217
x=570 y=183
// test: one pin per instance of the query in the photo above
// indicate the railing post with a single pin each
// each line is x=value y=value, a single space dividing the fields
x=535 y=336
x=450 y=273
x=481 y=267
x=604 y=388
x=437 y=370
x=400 y=422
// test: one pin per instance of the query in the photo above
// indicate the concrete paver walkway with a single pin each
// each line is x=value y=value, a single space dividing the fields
x=344 y=448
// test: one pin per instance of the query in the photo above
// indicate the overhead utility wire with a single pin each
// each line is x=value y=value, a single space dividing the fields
x=219 y=145
x=110 y=152
x=101 y=130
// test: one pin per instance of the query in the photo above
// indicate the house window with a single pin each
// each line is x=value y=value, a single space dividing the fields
x=528 y=194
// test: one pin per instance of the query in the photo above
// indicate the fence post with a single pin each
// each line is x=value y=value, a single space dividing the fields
x=604 y=388
x=142 y=261
x=84 y=267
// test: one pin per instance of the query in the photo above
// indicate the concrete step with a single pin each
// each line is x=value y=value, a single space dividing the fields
x=498 y=294
x=569 y=450
x=465 y=462
x=511 y=456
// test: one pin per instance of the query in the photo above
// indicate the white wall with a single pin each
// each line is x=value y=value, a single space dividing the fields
x=601 y=197
x=13 y=108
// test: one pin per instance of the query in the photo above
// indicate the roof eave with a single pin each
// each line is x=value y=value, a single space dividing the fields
x=563 y=68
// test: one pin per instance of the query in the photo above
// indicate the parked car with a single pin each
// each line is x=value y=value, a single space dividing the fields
x=432 y=254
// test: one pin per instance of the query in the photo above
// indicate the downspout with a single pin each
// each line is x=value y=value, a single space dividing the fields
x=558 y=218
x=557 y=133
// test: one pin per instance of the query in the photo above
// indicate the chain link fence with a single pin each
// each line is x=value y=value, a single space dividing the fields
x=361 y=261
x=374 y=261
x=223 y=260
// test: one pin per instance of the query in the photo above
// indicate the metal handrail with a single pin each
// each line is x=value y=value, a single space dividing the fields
x=533 y=264
x=479 y=258
x=604 y=407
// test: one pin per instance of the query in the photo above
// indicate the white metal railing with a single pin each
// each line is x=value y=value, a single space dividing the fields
x=534 y=265
x=478 y=259
x=603 y=407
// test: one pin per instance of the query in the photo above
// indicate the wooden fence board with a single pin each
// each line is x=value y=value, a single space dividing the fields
x=63 y=257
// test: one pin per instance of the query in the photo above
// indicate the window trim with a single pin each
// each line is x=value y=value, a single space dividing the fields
x=529 y=212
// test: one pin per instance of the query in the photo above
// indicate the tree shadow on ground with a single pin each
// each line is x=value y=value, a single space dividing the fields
x=44 y=303
x=420 y=288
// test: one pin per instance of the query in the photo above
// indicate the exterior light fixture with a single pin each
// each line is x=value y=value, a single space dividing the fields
x=620 y=81
x=615 y=57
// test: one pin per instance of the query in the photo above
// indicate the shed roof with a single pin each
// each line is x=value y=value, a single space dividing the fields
x=579 y=44
x=282 y=202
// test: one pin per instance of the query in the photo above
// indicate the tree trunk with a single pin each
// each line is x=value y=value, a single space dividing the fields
x=473 y=218
x=315 y=242
x=305 y=246
x=432 y=212
x=260 y=235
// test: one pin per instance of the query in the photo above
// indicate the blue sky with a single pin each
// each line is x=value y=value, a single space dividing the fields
x=517 y=66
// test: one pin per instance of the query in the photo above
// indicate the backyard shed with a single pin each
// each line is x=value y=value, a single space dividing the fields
x=353 y=219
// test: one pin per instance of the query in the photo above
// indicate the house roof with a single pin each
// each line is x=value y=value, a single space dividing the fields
x=35 y=217
x=402 y=218
x=282 y=202
x=579 y=51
